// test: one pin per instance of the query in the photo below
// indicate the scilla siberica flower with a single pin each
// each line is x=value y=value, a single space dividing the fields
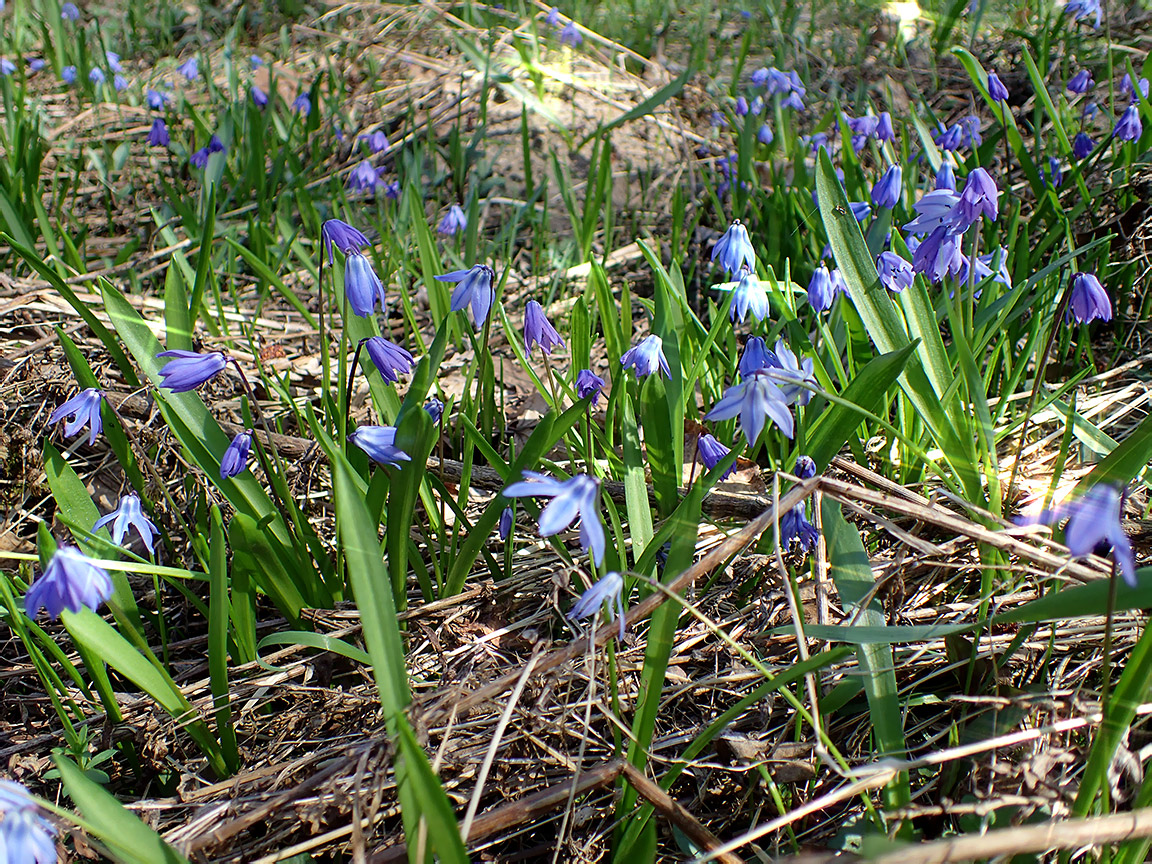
x=979 y=198
x=342 y=236
x=1129 y=127
x=609 y=589
x=1089 y=300
x=454 y=221
x=235 y=458
x=938 y=254
x=377 y=141
x=793 y=376
x=361 y=285
x=25 y=835
x=734 y=250
x=749 y=296
x=119 y=83
x=949 y=137
x=128 y=514
x=364 y=178
x=68 y=74
x=579 y=495
x=538 y=330
x=505 y=525
x=199 y=159
x=189 y=369
x=258 y=96
x=84 y=410
x=823 y=288
x=757 y=355
x=765 y=136
x=589 y=384
x=96 y=75
x=1079 y=9
x=896 y=274
x=933 y=210
x=794 y=525
x=570 y=35
x=302 y=104
x=1082 y=145
x=389 y=358
x=1081 y=82
x=190 y=69
x=435 y=408
x=755 y=400
x=647 y=357
x=1126 y=88
x=1093 y=519
x=69 y=12
x=474 y=289
x=996 y=88
x=946 y=177
x=884 y=130
x=886 y=192
x=158 y=136
x=156 y=99
x=70 y=581
x=712 y=453
x=379 y=442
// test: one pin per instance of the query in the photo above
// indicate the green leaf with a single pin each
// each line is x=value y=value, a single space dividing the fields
x=218 y=617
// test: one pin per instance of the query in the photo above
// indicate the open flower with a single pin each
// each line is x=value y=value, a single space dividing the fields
x=1093 y=519
x=896 y=274
x=1089 y=300
x=364 y=178
x=791 y=373
x=538 y=330
x=610 y=589
x=235 y=458
x=647 y=357
x=579 y=495
x=454 y=221
x=474 y=289
x=379 y=442
x=388 y=357
x=734 y=250
x=755 y=401
x=749 y=296
x=158 y=136
x=189 y=369
x=342 y=236
x=1081 y=82
x=979 y=198
x=84 y=410
x=190 y=69
x=70 y=581
x=25 y=835
x=128 y=515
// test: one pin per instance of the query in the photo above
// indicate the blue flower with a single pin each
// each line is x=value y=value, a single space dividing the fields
x=805 y=467
x=1129 y=127
x=886 y=192
x=996 y=88
x=949 y=137
x=361 y=285
x=505 y=525
x=610 y=589
x=1082 y=9
x=588 y=383
x=68 y=74
x=734 y=250
x=741 y=108
x=25 y=835
x=1089 y=300
x=1093 y=519
x=647 y=357
x=712 y=453
x=577 y=496
x=756 y=400
x=933 y=210
x=978 y=198
x=790 y=374
x=435 y=408
x=96 y=75
x=570 y=34
x=823 y=288
x=765 y=136
x=1081 y=82
x=158 y=136
x=113 y=61
x=119 y=83
x=84 y=409
x=302 y=103
x=946 y=177
x=454 y=221
x=749 y=296
x=128 y=515
x=474 y=289
x=255 y=61
x=794 y=526
x=938 y=254
x=553 y=17
x=1082 y=145
x=1055 y=171
x=392 y=190
x=235 y=458
x=69 y=12
x=189 y=369
x=70 y=581
x=377 y=141
x=156 y=99
x=388 y=357
x=379 y=442
x=35 y=64
x=342 y=236
x=538 y=330
x=1126 y=88
x=884 y=130
x=215 y=145
x=896 y=274
x=259 y=97
x=190 y=69
x=199 y=159
x=756 y=356
x=364 y=178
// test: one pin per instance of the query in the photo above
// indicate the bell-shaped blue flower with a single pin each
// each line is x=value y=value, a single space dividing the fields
x=749 y=296
x=83 y=409
x=1089 y=300
x=884 y=130
x=712 y=453
x=756 y=400
x=946 y=177
x=1079 y=9
x=454 y=221
x=579 y=495
x=979 y=198
x=379 y=442
x=505 y=525
x=189 y=369
x=302 y=104
x=589 y=384
x=610 y=589
x=823 y=288
x=235 y=458
x=389 y=358
x=793 y=376
x=342 y=236
x=896 y=274
x=361 y=285
x=25 y=835
x=158 y=136
x=1081 y=82
x=933 y=210
x=647 y=357
x=364 y=178
x=1129 y=127
x=71 y=581
x=435 y=408
x=886 y=192
x=757 y=355
x=996 y=88
x=538 y=330
x=69 y=12
x=474 y=289
x=190 y=69
x=128 y=515
x=1082 y=145
x=259 y=97
x=1093 y=520
x=939 y=254
x=734 y=250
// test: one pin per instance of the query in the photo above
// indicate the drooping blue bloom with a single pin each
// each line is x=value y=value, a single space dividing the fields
x=255 y=61
x=189 y=369
x=1129 y=127
x=259 y=97
x=190 y=69
x=570 y=35
x=933 y=210
x=757 y=106
x=764 y=135
x=884 y=130
x=364 y=178
x=979 y=198
x=759 y=77
x=861 y=210
x=1056 y=173
x=538 y=330
x=718 y=120
x=1089 y=300
x=389 y=358
x=996 y=88
x=734 y=250
x=71 y=581
x=609 y=589
x=25 y=835
x=69 y=12
x=361 y=285
x=506 y=522
x=392 y=190
x=119 y=83
x=938 y=254
x=794 y=526
x=793 y=100
x=946 y=177
x=863 y=128
x=553 y=17
x=793 y=376
x=235 y=458
x=435 y=408
x=96 y=75
x=342 y=236
x=749 y=296
x=949 y=137
x=35 y=64
x=823 y=288
x=7 y=67
x=1126 y=88
x=1079 y=9
x=215 y=145
x=158 y=136
x=377 y=141
x=741 y=107
x=588 y=383
x=379 y=442
x=454 y=221
x=84 y=410
x=757 y=355
x=68 y=74
x=1093 y=519
x=712 y=453
x=886 y=192
x=970 y=130
x=113 y=61
x=474 y=289
x=156 y=99
x=896 y=274
x=199 y=159
x=755 y=400
x=805 y=467
x=1082 y=145
x=647 y=357
x=128 y=514
x=302 y=104
x=577 y=496
x=1081 y=82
